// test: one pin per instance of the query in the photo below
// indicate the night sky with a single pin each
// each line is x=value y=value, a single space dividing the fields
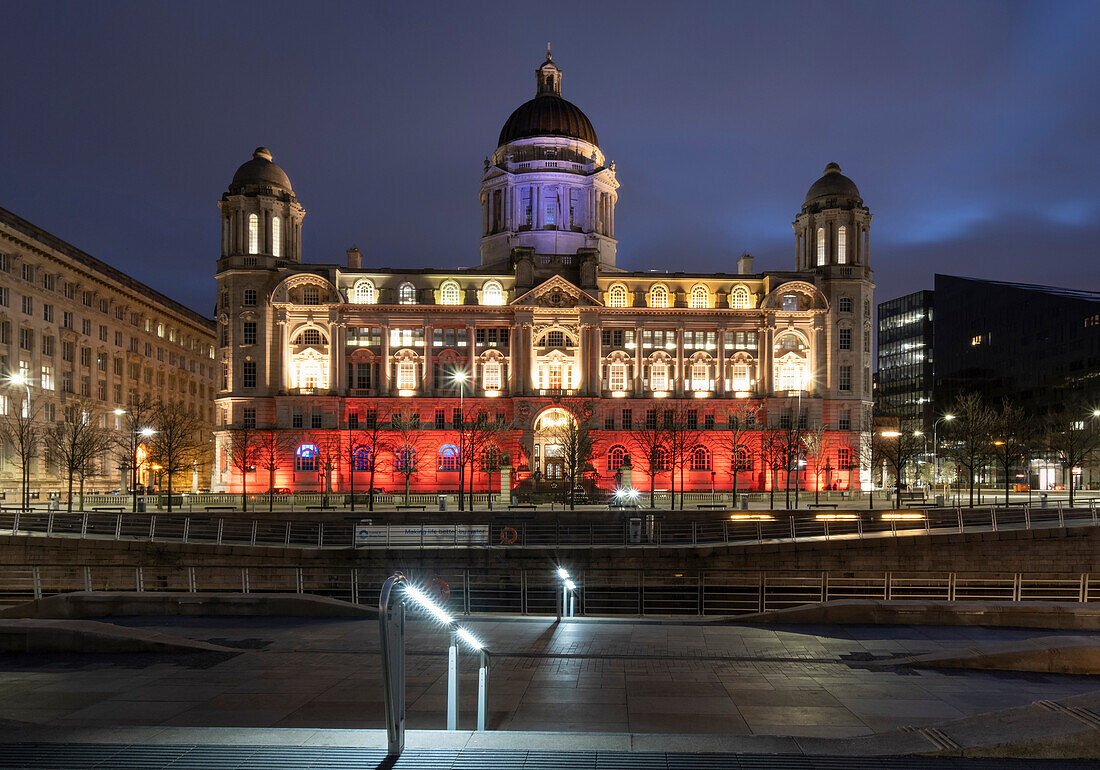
x=972 y=129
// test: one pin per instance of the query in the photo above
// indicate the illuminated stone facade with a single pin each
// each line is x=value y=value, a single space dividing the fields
x=319 y=349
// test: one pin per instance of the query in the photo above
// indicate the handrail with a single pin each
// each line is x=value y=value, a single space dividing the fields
x=643 y=530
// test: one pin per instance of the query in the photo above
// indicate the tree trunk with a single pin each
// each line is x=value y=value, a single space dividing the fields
x=370 y=493
x=1068 y=476
x=169 y=472
x=271 y=489
x=70 y=506
x=406 y=489
x=82 y=493
x=244 y=490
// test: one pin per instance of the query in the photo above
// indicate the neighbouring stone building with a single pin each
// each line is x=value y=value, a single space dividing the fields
x=322 y=350
x=74 y=329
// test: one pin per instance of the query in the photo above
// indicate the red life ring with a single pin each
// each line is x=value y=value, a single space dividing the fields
x=508 y=535
x=440 y=588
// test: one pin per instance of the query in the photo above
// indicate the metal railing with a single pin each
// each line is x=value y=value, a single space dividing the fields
x=603 y=592
x=643 y=529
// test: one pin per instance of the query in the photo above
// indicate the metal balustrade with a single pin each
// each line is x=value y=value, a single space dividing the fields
x=605 y=592
x=643 y=528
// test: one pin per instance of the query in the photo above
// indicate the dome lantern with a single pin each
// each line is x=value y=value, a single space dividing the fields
x=548 y=114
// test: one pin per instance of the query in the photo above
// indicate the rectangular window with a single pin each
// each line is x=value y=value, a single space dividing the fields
x=249 y=374
x=85 y=356
x=28 y=272
x=692 y=419
x=609 y=421
x=491 y=376
x=618 y=376
x=440 y=419
x=26 y=339
x=315 y=420
x=249 y=299
x=67 y=351
x=844 y=419
x=102 y=333
x=845 y=339
x=658 y=377
x=47 y=313
x=699 y=377
x=28 y=306
x=249 y=418
x=311 y=295
x=845 y=377
x=47 y=377
x=249 y=333
x=651 y=419
x=5 y=298
x=628 y=419
x=406 y=375
x=86 y=298
x=551 y=212
x=5 y=332
x=296 y=419
x=353 y=420
x=47 y=345
x=844 y=457
x=708 y=422
x=118 y=339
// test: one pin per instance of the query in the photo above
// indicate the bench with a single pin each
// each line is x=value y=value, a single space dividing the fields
x=918 y=504
x=619 y=506
x=411 y=507
x=834 y=506
x=220 y=508
x=324 y=508
x=101 y=508
x=711 y=505
x=531 y=506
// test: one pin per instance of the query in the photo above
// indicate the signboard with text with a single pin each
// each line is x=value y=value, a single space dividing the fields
x=380 y=536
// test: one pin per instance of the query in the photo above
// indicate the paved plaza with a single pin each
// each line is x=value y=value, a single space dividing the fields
x=584 y=676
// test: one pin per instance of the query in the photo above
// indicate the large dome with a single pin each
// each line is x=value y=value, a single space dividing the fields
x=833 y=185
x=260 y=171
x=547 y=115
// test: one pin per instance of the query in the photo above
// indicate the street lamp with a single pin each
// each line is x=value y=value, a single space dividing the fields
x=935 y=444
x=807 y=381
x=460 y=377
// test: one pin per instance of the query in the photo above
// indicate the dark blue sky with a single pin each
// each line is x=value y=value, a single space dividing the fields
x=972 y=129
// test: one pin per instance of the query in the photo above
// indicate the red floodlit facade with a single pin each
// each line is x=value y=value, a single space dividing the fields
x=546 y=326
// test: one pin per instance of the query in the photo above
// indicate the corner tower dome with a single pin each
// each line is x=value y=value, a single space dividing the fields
x=835 y=185
x=260 y=172
x=548 y=114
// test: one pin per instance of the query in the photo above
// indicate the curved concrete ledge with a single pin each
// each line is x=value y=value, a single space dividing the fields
x=105 y=604
x=1048 y=654
x=905 y=612
x=91 y=636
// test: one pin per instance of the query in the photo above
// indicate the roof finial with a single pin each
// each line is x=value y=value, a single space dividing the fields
x=548 y=56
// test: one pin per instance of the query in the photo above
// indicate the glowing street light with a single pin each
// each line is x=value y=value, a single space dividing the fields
x=568 y=594
x=459 y=377
x=935 y=442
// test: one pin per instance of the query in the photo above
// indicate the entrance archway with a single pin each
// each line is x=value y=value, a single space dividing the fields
x=549 y=456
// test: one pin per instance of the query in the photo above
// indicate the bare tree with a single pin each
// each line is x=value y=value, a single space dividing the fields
x=177 y=443
x=649 y=442
x=575 y=437
x=899 y=448
x=818 y=442
x=20 y=428
x=273 y=446
x=374 y=439
x=1073 y=439
x=741 y=423
x=681 y=424
x=329 y=445
x=136 y=428
x=1012 y=439
x=408 y=445
x=482 y=433
x=244 y=455
x=971 y=436
x=75 y=443
x=774 y=453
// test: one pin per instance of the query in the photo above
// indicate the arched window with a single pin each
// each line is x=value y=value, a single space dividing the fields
x=791 y=373
x=492 y=294
x=660 y=459
x=311 y=295
x=658 y=296
x=276 y=237
x=699 y=376
x=490 y=375
x=364 y=293
x=700 y=459
x=449 y=293
x=311 y=337
x=617 y=296
x=741 y=298
x=700 y=297
x=305 y=458
x=744 y=459
x=842 y=245
x=253 y=234
x=658 y=376
x=364 y=458
x=821 y=245
x=448 y=458
x=790 y=342
x=406 y=294
x=615 y=457
x=405 y=460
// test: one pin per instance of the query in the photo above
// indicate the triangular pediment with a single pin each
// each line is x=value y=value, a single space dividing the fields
x=557 y=292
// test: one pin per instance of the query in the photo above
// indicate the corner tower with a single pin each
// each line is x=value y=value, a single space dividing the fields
x=547 y=186
x=261 y=221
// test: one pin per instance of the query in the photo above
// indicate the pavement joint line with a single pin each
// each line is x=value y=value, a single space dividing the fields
x=1083 y=715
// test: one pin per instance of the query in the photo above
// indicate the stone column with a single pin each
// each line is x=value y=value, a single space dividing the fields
x=505 y=485
x=637 y=391
x=680 y=383
x=428 y=383
x=384 y=368
x=720 y=370
x=471 y=359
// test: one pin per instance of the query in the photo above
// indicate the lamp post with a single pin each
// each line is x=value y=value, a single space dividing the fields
x=806 y=381
x=19 y=379
x=897 y=482
x=936 y=446
x=460 y=378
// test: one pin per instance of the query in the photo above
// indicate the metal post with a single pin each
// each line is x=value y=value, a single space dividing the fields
x=483 y=691
x=452 y=682
x=392 y=631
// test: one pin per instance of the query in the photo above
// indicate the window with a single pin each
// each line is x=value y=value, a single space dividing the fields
x=47 y=345
x=406 y=375
x=554 y=339
x=744 y=460
x=249 y=374
x=28 y=272
x=449 y=294
x=651 y=419
x=26 y=339
x=844 y=419
x=615 y=457
x=47 y=377
x=448 y=458
x=845 y=338
x=253 y=234
x=48 y=282
x=249 y=298
x=67 y=349
x=102 y=333
x=311 y=295
x=364 y=458
x=525 y=195
x=28 y=306
x=845 y=305
x=866 y=340
x=86 y=327
x=5 y=296
x=790 y=302
x=276 y=237
x=250 y=332
x=658 y=377
x=842 y=245
x=821 y=245
x=658 y=296
x=740 y=376
x=741 y=299
x=405 y=460
x=406 y=294
x=310 y=337
x=844 y=457
x=490 y=376
x=249 y=418
x=364 y=293
x=224 y=336
x=845 y=378
x=700 y=297
x=700 y=459
x=315 y=419
x=305 y=458
x=618 y=377
x=551 y=214
x=617 y=296
x=492 y=294
x=699 y=376
x=47 y=313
